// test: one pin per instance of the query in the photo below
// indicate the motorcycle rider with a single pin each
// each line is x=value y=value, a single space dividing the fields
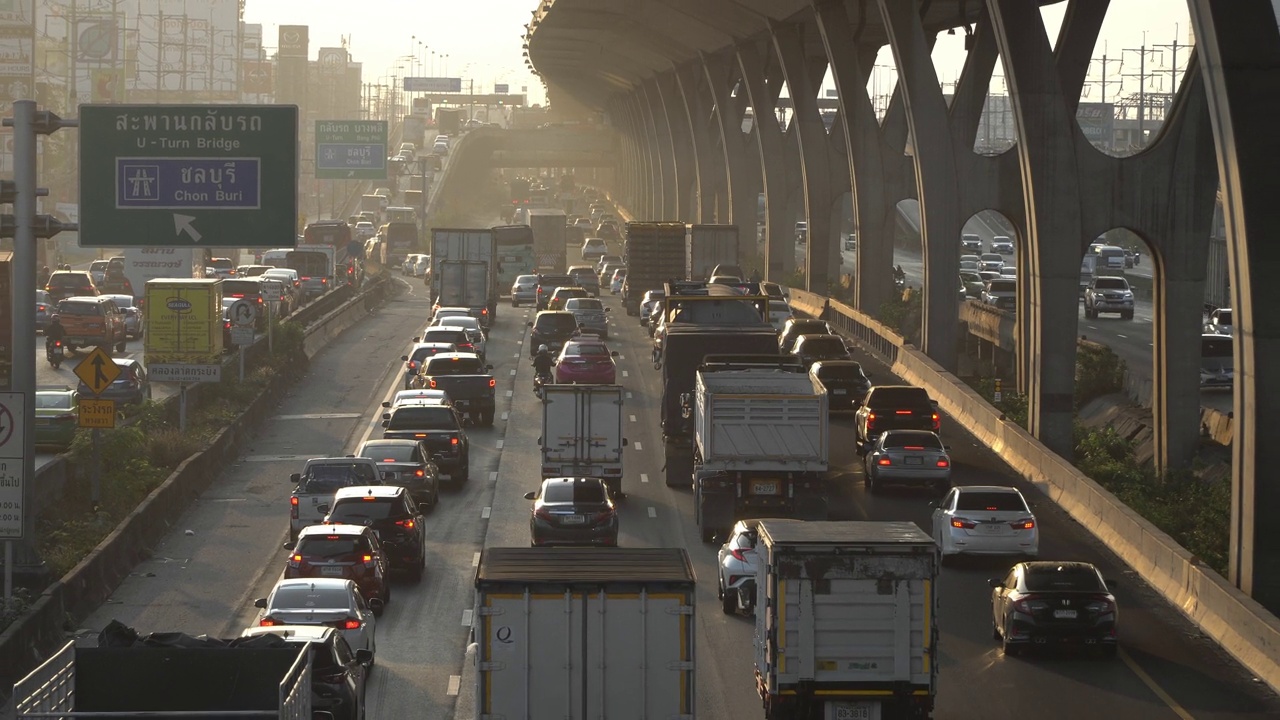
x=542 y=362
x=899 y=275
x=54 y=332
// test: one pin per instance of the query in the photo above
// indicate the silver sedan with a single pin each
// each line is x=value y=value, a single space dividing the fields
x=524 y=290
x=335 y=602
x=908 y=457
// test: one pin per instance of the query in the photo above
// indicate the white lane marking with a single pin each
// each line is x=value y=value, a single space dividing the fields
x=628 y=395
x=625 y=374
x=644 y=477
x=513 y=372
x=506 y=415
x=633 y=418
x=638 y=447
x=273 y=458
x=1092 y=327
x=475 y=559
x=485 y=513
x=499 y=444
x=516 y=356
x=622 y=357
x=653 y=513
x=1126 y=337
x=319 y=416
x=455 y=684
x=493 y=476
x=466 y=617
x=1151 y=344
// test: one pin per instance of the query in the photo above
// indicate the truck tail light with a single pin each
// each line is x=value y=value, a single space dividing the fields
x=493 y=383
x=293 y=508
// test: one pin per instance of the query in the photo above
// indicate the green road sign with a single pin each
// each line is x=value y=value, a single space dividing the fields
x=351 y=149
x=198 y=175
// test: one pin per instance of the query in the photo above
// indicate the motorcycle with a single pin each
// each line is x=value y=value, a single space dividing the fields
x=900 y=282
x=55 y=353
x=540 y=379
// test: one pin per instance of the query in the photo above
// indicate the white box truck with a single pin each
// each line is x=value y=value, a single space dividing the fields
x=582 y=433
x=585 y=633
x=760 y=447
x=142 y=264
x=846 y=620
x=473 y=244
x=709 y=246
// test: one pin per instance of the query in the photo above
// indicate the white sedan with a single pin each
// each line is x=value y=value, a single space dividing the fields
x=335 y=602
x=779 y=314
x=985 y=520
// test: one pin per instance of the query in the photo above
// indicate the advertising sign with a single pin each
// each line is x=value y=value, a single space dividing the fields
x=293 y=41
x=184 y=323
x=426 y=84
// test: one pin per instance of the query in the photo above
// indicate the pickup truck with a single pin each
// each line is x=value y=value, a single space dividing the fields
x=894 y=407
x=436 y=425
x=468 y=382
x=1108 y=294
x=319 y=480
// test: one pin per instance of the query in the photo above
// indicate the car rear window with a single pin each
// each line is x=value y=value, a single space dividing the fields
x=329 y=478
x=802 y=327
x=823 y=344
x=991 y=501
x=388 y=453
x=241 y=287
x=422 y=418
x=574 y=493
x=310 y=597
x=840 y=372
x=68 y=280
x=718 y=312
x=899 y=396
x=906 y=440
x=584 y=304
x=581 y=349
x=454 y=366
x=422 y=353
x=359 y=510
x=445 y=334
x=1069 y=578
x=1224 y=317
x=79 y=308
x=554 y=281
x=53 y=400
x=331 y=546
x=1004 y=286
x=556 y=322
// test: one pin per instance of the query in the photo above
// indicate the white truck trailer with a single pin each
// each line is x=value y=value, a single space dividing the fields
x=582 y=433
x=467 y=244
x=760 y=447
x=846 y=620
x=709 y=246
x=142 y=264
x=585 y=633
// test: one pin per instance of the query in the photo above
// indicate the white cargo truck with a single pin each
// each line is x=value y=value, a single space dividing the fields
x=464 y=283
x=142 y=264
x=467 y=244
x=709 y=246
x=582 y=433
x=760 y=446
x=846 y=620
x=585 y=633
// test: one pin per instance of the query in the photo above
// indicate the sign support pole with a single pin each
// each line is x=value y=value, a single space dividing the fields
x=95 y=477
x=271 y=347
x=242 y=363
x=182 y=407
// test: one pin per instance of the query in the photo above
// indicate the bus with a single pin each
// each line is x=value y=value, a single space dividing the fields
x=515 y=254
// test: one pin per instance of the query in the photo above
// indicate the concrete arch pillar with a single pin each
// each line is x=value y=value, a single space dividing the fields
x=709 y=180
x=651 y=164
x=684 y=162
x=631 y=153
x=779 y=227
x=742 y=177
x=1239 y=47
x=626 y=162
x=937 y=180
x=664 y=162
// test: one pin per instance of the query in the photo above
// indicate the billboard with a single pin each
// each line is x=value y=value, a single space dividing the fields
x=427 y=84
x=293 y=41
x=17 y=52
x=1097 y=122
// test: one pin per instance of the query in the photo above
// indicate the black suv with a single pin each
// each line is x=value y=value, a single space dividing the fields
x=584 y=276
x=845 y=382
x=394 y=517
x=810 y=348
x=436 y=425
x=894 y=407
x=552 y=328
x=547 y=285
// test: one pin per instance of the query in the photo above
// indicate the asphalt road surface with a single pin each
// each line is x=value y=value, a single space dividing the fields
x=205 y=582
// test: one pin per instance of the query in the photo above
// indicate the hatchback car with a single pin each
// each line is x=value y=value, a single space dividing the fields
x=737 y=562
x=572 y=511
x=584 y=276
x=605 y=260
x=562 y=294
x=985 y=520
x=972 y=284
x=615 y=283
x=590 y=314
x=845 y=382
x=394 y=517
x=907 y=457
x=1038 y=603
x=524 y=290
x=475 y=334
x=133 y=319
x=406 y=463
x=461 y=340
x=331 y=602
x=593 y=248
x=795 y=327
x=810 y=348
x=551 y=328
x=131 y=387
x=57 y=417
x=417 y=355
x=340 y=551
x=337 y=671
x=586 y=363
x=63 y=284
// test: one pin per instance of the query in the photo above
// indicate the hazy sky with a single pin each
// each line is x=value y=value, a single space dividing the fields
x=482 y=38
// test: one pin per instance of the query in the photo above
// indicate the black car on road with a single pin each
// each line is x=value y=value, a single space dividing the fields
x=1046 y=602
x=845 y=381
x=393 y=516
x=573 y=511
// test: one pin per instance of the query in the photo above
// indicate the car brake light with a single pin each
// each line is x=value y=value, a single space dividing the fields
x=484 y=311
x=467 y=346
x=935 y=420
x=324 y=281
x=367 y=559
x=432 y=383
x=453 y=441
x=413 y=365
x=295 y=561
x=293 y=507
x=944 y=463
x=267 y=622
x=738 y=555
x=419 y=473
x=405 y=523
x=1023 y=524
x=913 y=447
x=962 y=523
x=351 y=624
x=901 y=412
x=1029 y=604
x=884 y=461
x=493 y=383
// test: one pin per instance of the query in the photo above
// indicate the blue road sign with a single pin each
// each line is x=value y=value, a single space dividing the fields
x=188 y=183
x=351 y=156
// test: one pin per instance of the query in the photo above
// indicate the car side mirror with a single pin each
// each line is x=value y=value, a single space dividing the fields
x=260 y=603
x=417 y=339
x=295 y=478
x=613 y=353
x=530 y=495
x=386 y=423
x=405 y=358
x=291 y=545
x=995 y=583
x=386 y=404
x=530 y=323
x=488 y=367
x=364 y=656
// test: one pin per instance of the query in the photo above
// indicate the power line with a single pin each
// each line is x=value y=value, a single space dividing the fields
x=1142 y=76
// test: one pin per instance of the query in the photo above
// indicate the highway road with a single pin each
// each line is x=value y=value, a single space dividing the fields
x=205 y=582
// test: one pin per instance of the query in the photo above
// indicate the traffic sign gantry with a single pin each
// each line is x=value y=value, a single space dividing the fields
x=97 y=371
x=351 y=149
x=201 y=175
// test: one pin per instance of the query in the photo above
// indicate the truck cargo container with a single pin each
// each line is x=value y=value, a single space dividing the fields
x=465 y=283
x=549 y=239
x=655 y=254
x=467 y=244
x=582 y=433
x=760 y=446
x=846 y=620
x=144 y=264
x=515 y=254
x=709 y=246
x=585 y=633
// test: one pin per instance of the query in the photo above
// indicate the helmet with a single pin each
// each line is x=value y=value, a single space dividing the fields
x=541 y=348
x=54 y=316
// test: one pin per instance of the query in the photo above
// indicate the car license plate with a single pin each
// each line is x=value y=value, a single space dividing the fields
x=572 y=519
x=1065 y=614
x=389 y=475
x=992 y=527
x=764 y=487
x=853 y=711
x=331 y=570
x=839 y=392
x=915 y=460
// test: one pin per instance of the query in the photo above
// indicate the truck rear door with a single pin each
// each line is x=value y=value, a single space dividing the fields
x=582 y=430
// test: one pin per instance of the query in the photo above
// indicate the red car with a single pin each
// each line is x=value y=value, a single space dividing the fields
x=342 y=551
x=586 y=362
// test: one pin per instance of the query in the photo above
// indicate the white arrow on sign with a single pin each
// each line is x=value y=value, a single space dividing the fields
x=182 y=223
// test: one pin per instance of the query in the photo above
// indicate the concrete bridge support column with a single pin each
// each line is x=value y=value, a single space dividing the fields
x=656 y=116
x=709 y=182
x=644 y=158
x=742 y=178
x=937 y=181
x=763 y=92
x=684 y=163
x=638 y=177
x=628 y=170
x=1240 y=49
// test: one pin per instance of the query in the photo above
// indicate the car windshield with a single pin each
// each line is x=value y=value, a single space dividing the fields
x=454 y=366
x=556 y=322
x=398 y=452
x=329 y=478
x=53 y=401
x=241 y=287
x=912 y=440
x=991 y=501
x=1111 y=283
x=1004 y=286
x=357 y=510
x=459 y=321
x=584 y=304
x=331 y=546
x=311 y=597
x=564 y=492
x=527 y=280
x=822 y=344
x=1069 y=578
x=423 y=418
x=840 y=372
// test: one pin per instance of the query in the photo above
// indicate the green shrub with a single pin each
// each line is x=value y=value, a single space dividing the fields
x=1012 y=404
x=1099 y=372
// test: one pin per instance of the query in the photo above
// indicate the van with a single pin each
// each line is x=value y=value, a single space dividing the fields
x=277 y=258
x=1109 y=257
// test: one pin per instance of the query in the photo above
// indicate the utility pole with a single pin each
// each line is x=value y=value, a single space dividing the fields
x=1141 y=75
x=1174 y=70
x=1104 y=81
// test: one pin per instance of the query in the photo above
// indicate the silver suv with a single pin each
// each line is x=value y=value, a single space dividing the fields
x=1110 y=295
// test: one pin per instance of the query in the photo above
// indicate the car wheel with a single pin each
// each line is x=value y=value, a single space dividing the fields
x=729 y=603
x=995 y=631
x=1008 y=648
